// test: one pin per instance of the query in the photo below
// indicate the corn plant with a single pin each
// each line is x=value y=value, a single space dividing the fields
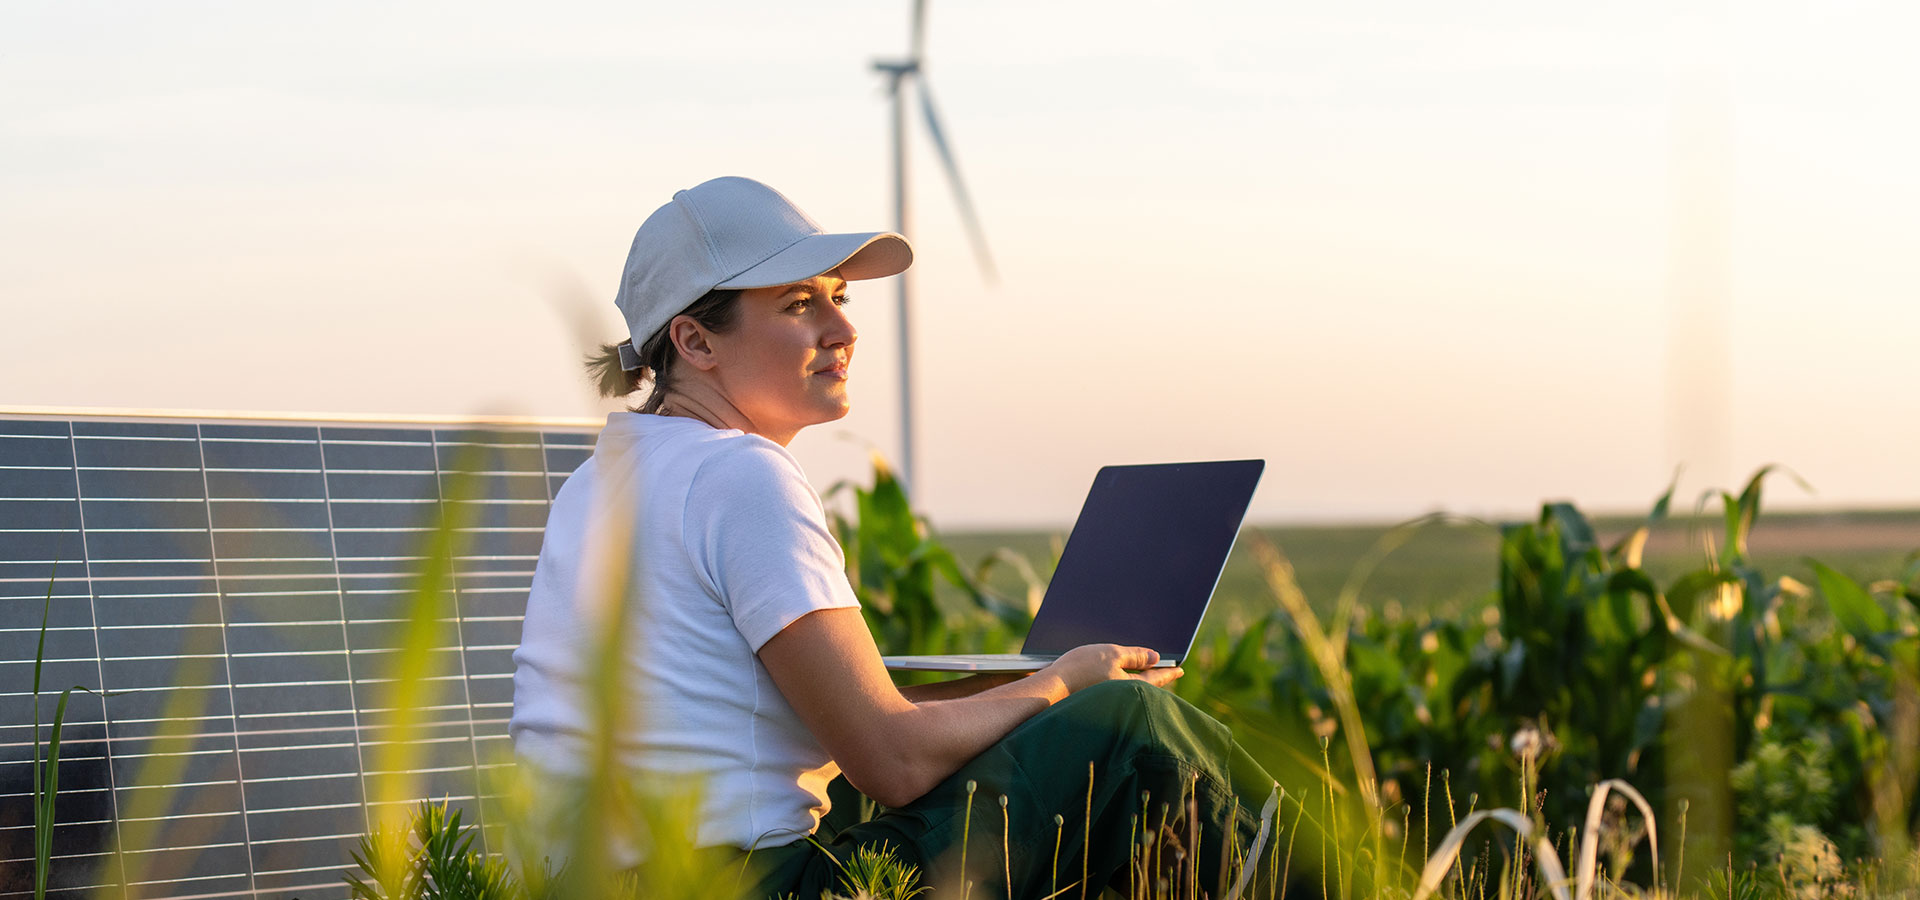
x=914 y=593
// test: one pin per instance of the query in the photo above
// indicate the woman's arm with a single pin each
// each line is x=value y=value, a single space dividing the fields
x=894 y=749
x=956 y=688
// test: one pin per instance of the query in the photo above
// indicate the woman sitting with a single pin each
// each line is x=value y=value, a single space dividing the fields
x=744 y=662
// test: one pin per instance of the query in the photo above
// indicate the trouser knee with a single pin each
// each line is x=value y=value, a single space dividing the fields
x=1139 y=713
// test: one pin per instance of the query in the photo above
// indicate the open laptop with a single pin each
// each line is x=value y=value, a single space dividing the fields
x=1139 y=567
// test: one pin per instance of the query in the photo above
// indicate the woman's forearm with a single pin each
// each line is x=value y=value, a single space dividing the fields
x=958 y=687
x=935 y=738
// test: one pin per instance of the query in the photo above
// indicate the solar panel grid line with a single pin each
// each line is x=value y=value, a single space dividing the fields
x=290 y=779
x=144 y=438
x=249 y=892
x=419 y=741
x=108 y=498
x=28 y=795
x=310 y=807
x=172 y=754
x=210 y=845
x=176 y=817
x=164 y=720
x=302 y=870
x=50 y=661
x=171 y=786
x=233 y=704
x=294 y=623
x=319 y=682
x=100 y=665
x=177 y=657
x=28 y=827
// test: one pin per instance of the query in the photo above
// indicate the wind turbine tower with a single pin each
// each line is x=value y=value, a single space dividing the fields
x=899 y=72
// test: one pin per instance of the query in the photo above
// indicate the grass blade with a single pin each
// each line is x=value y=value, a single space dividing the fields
x=1553 y=875
x=1590 y=835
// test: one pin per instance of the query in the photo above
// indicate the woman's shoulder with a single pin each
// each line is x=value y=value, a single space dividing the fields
x=697 y=455
x=653 y=436
x=748 y=461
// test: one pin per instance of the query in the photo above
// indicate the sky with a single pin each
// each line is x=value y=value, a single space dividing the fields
x=1465 y=257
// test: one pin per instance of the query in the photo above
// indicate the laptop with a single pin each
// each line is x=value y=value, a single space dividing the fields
x=1139 y=567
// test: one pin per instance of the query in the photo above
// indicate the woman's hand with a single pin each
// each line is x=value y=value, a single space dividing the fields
x=1091 y=664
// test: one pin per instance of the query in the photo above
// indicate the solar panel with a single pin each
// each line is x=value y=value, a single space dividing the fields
x=235 y=589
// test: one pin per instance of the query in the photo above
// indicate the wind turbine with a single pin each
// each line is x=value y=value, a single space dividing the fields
x=898 y=73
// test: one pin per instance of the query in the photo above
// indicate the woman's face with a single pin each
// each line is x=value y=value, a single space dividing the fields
x=784 y=363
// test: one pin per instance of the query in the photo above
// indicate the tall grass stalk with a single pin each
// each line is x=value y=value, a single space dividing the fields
x=1326 y=656
x=1059 y=828
x=1292 y=833
x=1086 y=833
x=412 y=687
x=46 y=784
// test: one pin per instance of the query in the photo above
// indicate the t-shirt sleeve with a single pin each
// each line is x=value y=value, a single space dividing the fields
x=758 y=534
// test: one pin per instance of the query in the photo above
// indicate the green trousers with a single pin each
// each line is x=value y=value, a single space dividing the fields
x=1145 y=787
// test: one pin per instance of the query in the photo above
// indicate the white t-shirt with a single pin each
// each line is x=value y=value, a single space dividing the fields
x=722 y=543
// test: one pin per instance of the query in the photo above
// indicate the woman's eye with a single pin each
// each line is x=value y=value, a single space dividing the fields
x=800 y=305
x=842 y=300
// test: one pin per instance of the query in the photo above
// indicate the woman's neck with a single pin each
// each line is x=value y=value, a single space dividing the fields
x=713 y=410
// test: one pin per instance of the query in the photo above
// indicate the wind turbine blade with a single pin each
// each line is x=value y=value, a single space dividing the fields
x=961 y=198
x=919 y=28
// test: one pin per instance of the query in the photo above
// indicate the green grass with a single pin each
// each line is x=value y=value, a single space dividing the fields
x=1446 y=569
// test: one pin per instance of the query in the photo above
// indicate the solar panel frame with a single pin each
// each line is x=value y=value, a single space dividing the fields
x=234 y=585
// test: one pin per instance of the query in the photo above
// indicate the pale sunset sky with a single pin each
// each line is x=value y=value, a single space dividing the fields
x=1463 y=256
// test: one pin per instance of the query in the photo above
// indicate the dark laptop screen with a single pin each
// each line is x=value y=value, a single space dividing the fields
x=1144 y=556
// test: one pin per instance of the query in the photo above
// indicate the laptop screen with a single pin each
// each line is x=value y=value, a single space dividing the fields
x=1144 y=556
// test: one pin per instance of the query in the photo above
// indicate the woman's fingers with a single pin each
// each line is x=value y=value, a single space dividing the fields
x=1136 y=657
x=1093 y=663
x=1161 y=677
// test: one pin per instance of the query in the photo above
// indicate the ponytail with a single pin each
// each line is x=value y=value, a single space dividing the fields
x=715 y=311
x=603 y=369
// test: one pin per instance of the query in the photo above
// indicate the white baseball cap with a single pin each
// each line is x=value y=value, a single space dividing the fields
x=737 y=233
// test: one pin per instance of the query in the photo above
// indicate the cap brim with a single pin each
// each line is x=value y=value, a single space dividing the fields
x=857 y=256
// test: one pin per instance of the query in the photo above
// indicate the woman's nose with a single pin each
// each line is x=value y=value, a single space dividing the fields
x=841 y=331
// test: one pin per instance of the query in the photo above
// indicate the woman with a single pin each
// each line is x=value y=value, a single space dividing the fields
x=744 y=659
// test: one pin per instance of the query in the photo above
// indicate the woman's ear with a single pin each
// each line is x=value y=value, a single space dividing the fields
x=693 y=343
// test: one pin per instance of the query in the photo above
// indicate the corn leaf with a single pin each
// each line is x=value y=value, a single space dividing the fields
x=1852 y=606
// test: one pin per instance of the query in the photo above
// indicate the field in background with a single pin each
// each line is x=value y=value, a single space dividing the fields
x=1446 y=568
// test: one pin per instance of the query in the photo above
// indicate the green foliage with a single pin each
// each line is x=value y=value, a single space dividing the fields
x=913 y=591
x=876 y=873
x=1784 y=793
x=438 y=863
x=1581 y=667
